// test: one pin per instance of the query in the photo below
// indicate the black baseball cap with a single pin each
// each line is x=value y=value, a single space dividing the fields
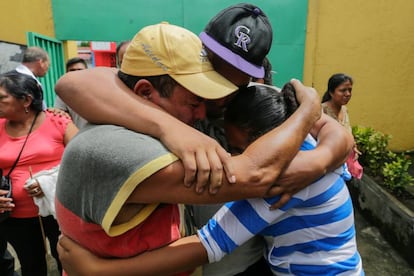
x=241 y=35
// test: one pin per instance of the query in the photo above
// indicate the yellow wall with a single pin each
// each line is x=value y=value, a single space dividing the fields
x=20 y=16
x=71 y=49
x=373 y=41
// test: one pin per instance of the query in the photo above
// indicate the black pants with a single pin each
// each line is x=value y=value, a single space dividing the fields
x=6 y=259
x=25 y=236
x=261 y=268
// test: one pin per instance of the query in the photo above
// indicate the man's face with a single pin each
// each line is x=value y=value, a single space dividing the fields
x=183 y=105
x=76 y=67
x=121 y=54
x=215 y=108
x=43 y=67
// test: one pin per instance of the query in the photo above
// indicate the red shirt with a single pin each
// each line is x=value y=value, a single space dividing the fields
x=43 y=151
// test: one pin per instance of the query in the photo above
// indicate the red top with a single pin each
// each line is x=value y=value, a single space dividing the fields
x=43 y=151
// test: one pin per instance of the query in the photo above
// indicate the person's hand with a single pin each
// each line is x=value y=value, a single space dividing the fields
x=33 y=188
x=203 y=158
x=299 y=174
x=58 y=112
x=308 y=95
x=357 y=153
x=6 y=203
x=76 y=260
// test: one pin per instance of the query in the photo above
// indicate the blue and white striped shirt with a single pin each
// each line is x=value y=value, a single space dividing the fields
x=313 y=234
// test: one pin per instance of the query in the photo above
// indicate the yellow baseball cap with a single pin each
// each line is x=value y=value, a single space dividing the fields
x=168 y=49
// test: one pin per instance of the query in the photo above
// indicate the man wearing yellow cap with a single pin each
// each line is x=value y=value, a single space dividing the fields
x=112 y=179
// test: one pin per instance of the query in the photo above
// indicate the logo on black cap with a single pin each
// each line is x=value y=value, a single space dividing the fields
x=243 y=38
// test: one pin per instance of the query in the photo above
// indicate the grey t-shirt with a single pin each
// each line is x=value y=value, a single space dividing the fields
x=101 y=167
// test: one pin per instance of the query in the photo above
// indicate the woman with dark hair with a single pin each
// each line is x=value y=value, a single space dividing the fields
x=313 y=234
x=334 y=103
x=31 y=141
x=336 y=98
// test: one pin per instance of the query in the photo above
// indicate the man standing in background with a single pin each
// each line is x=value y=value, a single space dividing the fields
x=120 y=51
x=35 y=63
x=73 y=64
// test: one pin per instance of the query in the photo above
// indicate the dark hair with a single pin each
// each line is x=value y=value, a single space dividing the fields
x=260 y=108
x=334 y=81
x=21 y=86
x=163 y=83
x=34 y=53
x=75 y=60
x=267 y=79
x=118 y=48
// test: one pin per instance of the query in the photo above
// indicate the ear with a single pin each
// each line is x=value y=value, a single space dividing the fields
x=144 y=88
x=27 y=101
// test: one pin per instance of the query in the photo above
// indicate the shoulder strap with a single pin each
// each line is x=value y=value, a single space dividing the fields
x=20 y=153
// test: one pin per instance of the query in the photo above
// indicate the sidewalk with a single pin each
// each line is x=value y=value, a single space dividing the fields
x=378 y=257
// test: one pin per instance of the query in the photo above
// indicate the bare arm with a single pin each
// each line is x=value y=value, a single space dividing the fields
x=70 y=132
x=335 y=144
x=182 y=255
x=99 y=96
x=256 y=169
x=255 y=176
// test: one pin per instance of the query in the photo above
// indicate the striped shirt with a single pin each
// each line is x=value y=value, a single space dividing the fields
x=313 y=234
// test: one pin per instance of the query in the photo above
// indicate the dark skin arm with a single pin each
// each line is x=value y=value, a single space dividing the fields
x=255 y=175
x=202 y=156
x=256 y=169
x=335 y=144
x=99 y=96
x=182 y=255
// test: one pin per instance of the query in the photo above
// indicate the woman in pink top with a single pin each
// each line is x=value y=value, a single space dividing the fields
x=21 y=111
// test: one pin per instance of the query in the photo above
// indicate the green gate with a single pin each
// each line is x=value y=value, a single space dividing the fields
x=57 y=65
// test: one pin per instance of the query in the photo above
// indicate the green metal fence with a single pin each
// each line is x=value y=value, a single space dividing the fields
x=57 y=65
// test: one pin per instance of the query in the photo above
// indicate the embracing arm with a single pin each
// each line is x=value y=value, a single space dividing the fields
x=99 y=96
x=334 y=145
x=71 y=131
x=184 y=254
x=336 y=141
x=256 y=169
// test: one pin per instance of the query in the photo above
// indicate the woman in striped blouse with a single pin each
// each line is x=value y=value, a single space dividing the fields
x=314 y=233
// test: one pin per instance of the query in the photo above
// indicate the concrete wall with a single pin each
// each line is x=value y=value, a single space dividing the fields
x=11 y=55
x=373 y=41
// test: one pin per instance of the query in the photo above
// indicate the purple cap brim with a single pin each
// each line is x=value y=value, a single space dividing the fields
x=232 y=58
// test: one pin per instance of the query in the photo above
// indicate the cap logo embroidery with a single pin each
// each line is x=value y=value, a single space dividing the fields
x=243 y=38
x=153 y=57
x=203 y=55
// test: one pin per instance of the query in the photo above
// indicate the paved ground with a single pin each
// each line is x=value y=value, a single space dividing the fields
x=378 y=257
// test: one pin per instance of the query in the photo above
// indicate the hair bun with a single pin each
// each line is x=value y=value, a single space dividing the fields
x=289 y=95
